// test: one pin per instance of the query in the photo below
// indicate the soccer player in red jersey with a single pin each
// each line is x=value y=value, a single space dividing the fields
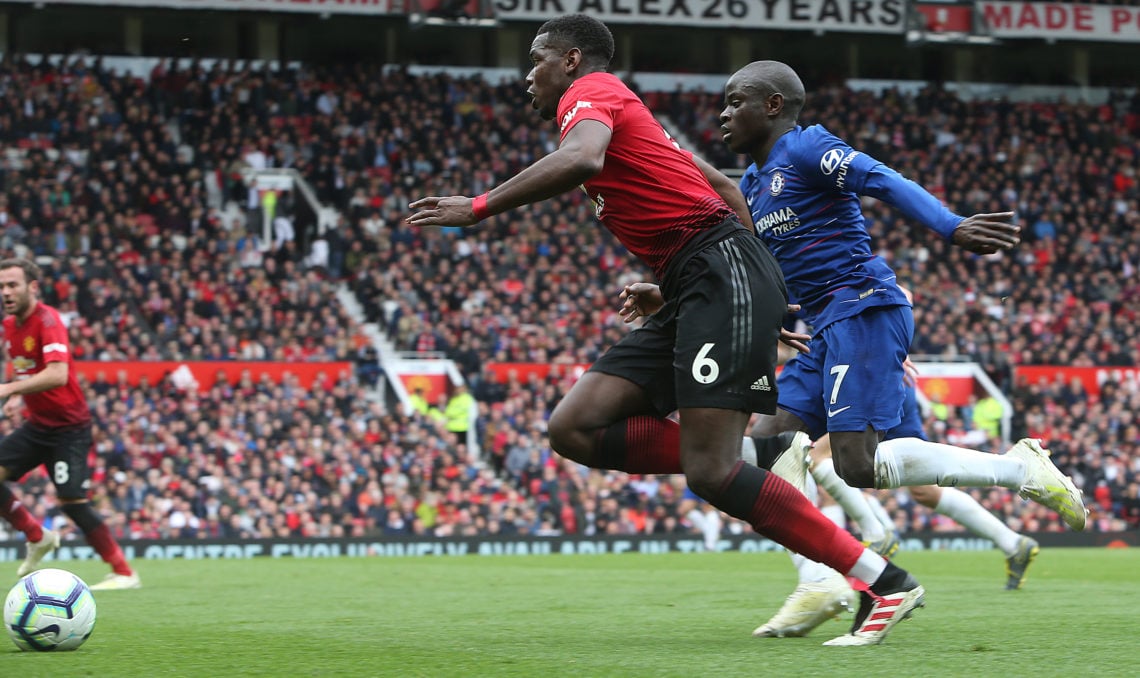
x=57 y=429
x=710 y=352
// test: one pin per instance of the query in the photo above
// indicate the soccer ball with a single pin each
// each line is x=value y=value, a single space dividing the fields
x=49 y=610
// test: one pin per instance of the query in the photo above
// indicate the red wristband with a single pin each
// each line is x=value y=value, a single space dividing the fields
x=479 y=207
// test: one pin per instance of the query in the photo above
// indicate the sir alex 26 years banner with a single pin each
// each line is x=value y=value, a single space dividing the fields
x=862 y=16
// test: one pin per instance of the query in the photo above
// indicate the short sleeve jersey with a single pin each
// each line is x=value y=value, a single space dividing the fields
x=650 y=194
x=31 y=345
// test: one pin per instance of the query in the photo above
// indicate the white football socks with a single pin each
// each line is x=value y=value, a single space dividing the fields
x=835 y=514
x=810 y=571
x=748 y=451
x=880 y=513
x=852 y=500
x=868 y=568
x=913 y=461
x=709 y=523
x=963 y=509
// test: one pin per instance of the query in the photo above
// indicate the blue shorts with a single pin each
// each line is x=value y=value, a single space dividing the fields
x=911 y=424
x=853 y=377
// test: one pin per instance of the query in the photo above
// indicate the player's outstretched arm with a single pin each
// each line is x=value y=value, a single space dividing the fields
x=981 y=233
x=581 y=155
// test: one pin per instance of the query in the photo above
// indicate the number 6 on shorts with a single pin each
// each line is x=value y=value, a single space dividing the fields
x=705 y=369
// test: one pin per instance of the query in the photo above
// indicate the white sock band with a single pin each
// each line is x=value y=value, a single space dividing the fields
x=868 y=568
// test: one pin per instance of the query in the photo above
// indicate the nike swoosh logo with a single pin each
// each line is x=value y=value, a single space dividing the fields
x=832 y=413
x=52 y=629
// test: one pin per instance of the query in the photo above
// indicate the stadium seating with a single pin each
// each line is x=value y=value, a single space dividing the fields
x=133 y=191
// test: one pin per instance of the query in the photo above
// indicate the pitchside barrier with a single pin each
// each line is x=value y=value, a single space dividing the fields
x=214 y=549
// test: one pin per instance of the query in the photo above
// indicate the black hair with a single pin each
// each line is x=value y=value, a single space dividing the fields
x=586 y=33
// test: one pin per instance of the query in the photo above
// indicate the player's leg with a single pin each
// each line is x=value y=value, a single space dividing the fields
x=1025 y=468
x=820 y=594
x=865 y=389
x=728 y=324
x=816 y=598
x=885 y=520
x=67 y=466
x=97 y=534
x=610 y=420
x=967 y=512
x=614 y=415
x=775 y=509
x=854 y=502
x=801 y=383
x=18 y=455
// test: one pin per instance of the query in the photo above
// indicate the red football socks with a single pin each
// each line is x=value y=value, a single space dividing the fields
x=20 y=517
x=641 y=444
x=782 y=513
x=108 y=549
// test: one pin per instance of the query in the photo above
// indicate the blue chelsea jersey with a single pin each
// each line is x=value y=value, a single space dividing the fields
x=805 y=203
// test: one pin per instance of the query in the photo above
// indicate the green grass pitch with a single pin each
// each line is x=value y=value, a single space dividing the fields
x=606 y=615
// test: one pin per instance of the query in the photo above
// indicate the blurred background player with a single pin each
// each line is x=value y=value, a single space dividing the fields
x=57 y=432
x=710 y=353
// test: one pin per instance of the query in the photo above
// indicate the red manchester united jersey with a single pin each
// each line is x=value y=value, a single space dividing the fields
x=39 y=340
x=650 y=194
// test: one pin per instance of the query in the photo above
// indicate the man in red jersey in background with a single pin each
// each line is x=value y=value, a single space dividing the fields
x=57 y=429
x=710 y=352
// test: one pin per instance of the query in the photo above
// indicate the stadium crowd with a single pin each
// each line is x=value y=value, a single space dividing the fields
x=135 y=190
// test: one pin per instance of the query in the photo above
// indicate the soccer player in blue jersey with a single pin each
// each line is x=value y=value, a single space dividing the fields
x=803 y=192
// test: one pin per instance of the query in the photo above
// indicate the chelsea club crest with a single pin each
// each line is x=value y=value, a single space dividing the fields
x=777 y=183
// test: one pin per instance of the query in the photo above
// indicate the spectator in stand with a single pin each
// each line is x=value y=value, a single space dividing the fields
x=124 y=182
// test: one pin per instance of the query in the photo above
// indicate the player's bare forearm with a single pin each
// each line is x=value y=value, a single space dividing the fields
x=555 y=174
x=52 y=376
x=581 y=156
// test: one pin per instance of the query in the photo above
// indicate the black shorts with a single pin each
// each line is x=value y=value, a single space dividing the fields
x=63 y=451
x=713 y=343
